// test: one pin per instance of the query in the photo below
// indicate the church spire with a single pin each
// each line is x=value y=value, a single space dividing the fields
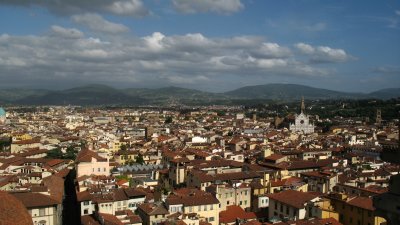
x=303 y=107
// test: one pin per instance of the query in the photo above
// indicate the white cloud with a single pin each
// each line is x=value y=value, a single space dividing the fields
x=133 y=8
x=66 y=32
x=324 y=54
x=96 y=22
x=305 y=48
x=130 y=7
x=271 y=50
x=158 y=59
x=217 y=6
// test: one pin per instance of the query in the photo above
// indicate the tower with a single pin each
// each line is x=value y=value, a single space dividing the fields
x=378 y=119
x=302 y=107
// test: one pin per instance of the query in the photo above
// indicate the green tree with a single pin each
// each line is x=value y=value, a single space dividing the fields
x=168 y=120
x=55 y=153
x=139 y=159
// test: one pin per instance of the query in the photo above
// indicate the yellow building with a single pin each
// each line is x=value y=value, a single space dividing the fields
x=152 y=213
x=188 y=200
x=355 y=210
x=236 y=194
x=323 y=209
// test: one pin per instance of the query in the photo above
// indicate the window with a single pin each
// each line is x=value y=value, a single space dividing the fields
x=85 y=203
x=42 y=212
x=104 y=169
x=156 y=216
x=85 y=211
x=281 y=208
x=98 y=169
x=287 y=210
x=245 y=192
x=191 y=209
x=231 y=194
x=205 y=207
x=199 y=208
x=210 y=219
x=245 y=202
x=211 y=207
x=240 y=203
x=227 y=202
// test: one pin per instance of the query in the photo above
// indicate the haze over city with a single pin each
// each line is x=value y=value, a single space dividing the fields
x=210 y=45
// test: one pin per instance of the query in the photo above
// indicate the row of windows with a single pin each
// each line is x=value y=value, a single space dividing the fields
x=240 y=202
x=230 y=194
x=281 y=209
x=42 y=212
x=204 y=208
x=99 y=170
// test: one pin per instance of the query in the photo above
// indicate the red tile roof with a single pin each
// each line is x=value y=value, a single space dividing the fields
x=293 y=198
x=362 y=202
x=12 y=211
x=234 y=212
x=34 y=200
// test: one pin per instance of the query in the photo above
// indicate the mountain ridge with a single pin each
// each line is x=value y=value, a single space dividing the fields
x=98 y=94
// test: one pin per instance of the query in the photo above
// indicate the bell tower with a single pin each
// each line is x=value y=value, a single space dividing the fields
x=302 y=107
x=378 y=119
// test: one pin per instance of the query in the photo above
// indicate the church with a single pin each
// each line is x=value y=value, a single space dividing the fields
x=302 y=121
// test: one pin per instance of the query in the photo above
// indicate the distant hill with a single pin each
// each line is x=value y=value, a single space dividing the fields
x=288 y=92
x=105 y=95
x=385 y=93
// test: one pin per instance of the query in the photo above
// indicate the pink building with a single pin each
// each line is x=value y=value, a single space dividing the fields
x=90 y=163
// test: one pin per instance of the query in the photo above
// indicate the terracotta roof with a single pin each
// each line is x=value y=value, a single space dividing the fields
x=34 y=200
x=83 y=196
x=12 y=211
x=86 y=156
x=293 y=198
x=312 y=221
x=88 y=220
x=286 y=182
x=55 y=185
x=110 y=219
x=274 y=157
x=190 y=197
x=153 y=208
x=234 y=212
x=362 y=202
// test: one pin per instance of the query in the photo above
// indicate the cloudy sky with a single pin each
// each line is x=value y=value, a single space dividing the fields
x=211 y=45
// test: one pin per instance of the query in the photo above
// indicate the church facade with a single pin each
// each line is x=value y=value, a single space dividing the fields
x=302 y=122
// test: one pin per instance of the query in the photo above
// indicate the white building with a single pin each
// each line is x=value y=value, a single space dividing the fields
x=302 y=122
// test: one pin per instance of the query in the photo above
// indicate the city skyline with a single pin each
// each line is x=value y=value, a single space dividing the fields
x=206 y=45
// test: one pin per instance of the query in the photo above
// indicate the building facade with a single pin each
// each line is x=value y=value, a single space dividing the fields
x=302 y=122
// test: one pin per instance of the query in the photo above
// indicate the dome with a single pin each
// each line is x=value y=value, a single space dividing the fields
x=2 y=112
x=10 y=206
